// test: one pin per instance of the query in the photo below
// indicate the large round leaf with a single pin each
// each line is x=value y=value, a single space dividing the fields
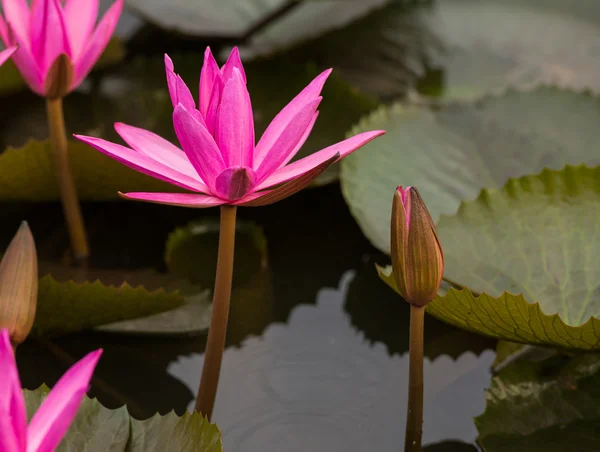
x=491 y=44
x=549 y=405
x=536 y=238
x=452 y=153
x=98 y=429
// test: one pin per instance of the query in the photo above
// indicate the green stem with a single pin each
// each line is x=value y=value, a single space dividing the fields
x=68 y=192
x=215 y=345
x=414 y=416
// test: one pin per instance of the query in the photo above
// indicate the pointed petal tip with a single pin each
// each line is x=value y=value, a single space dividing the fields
x=169 y=63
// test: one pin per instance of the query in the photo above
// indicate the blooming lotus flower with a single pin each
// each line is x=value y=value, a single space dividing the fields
x=6 y=54
x=220 y=161
x=417 y=256
x=51 y=28
x=52 y=420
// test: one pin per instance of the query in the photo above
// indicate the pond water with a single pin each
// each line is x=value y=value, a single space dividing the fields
x=317 y=362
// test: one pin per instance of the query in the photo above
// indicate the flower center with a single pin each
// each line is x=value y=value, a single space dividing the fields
x=235 y=182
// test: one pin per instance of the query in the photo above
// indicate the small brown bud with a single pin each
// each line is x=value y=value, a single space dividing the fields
x=60 y=77
x=417 y=256
x=19 y=285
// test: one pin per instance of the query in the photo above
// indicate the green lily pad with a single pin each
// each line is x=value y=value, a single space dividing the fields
x=191 y=255
x=98 y=429
x=97 y=176
x=451 y=153
x=228 y=18
x=190 y=432
x=543 y=405
x=11 y=80
x=387 y=34
x=536 y=237
x=484 y=46
x=65 y=307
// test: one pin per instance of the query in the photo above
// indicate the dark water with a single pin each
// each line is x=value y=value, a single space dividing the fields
x=318 y=361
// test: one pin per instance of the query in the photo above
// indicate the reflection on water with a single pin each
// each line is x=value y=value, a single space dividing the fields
x=315 y=383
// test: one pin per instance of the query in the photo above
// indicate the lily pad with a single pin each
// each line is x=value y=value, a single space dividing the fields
x=549 y=405
x=536 y=237
x=98 y=429
x=388 y=35
x=451 y=153
x=68 y=307
x=488 y=45
x=11 y=80
x=27 y=174
x=232 y=19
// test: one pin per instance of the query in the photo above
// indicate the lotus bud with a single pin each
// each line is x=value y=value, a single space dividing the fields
x=19 y=285
x=60 y=77
x=417 y=256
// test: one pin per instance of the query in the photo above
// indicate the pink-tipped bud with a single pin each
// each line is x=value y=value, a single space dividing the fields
x=60 y=78
x=19 y=285
x=417 y=256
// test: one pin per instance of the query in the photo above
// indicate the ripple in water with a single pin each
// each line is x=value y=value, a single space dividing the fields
x=315 y=383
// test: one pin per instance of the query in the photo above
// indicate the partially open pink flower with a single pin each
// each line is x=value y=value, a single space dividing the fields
x=50 y=28
x=220 y=161
x=52 y=420
x=7 y=53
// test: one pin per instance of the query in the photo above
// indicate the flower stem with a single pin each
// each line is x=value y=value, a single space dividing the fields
x=215 y=345
x=68 y=192
x=414 y=416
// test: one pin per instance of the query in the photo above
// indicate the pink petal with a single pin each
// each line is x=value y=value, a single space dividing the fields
x=210 y=72
x=213 y=108
x=80 y=19
x=199 y=146
x=8 y=439
x=97 y=43
x=52 y=420
x=288 y=189
x=179 y=91
x=175 y=199
x=302 y=166
x=286 y=115
x=6 y=54
x=48 y=33
x=142 y=163
x=302 y=139
x=288 y=140
x=18 y=17
x=235 y=123
x=234 y=61
x=12 y=406
x=29 y=70
x=158 y=149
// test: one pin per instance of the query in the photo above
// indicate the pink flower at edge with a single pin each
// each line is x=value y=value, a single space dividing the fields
x=220 y=162
x=51 y=422
x=6 y=54
x=48 y=29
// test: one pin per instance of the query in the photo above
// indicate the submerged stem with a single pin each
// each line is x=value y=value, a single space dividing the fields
x=68 y=192
x=215 y=345
x=414 y=416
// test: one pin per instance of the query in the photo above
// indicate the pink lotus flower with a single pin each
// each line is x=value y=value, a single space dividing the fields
x=52 y=420
x=6 y=54
x=49 y=29
x=220 y=161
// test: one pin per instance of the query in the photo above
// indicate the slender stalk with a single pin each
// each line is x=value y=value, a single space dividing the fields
x=414 y=416
x=68 y=192
x=215 y=345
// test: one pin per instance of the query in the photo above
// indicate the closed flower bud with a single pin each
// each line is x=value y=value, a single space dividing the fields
x=60 y=77
x=19 y=286
x=417 y=256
